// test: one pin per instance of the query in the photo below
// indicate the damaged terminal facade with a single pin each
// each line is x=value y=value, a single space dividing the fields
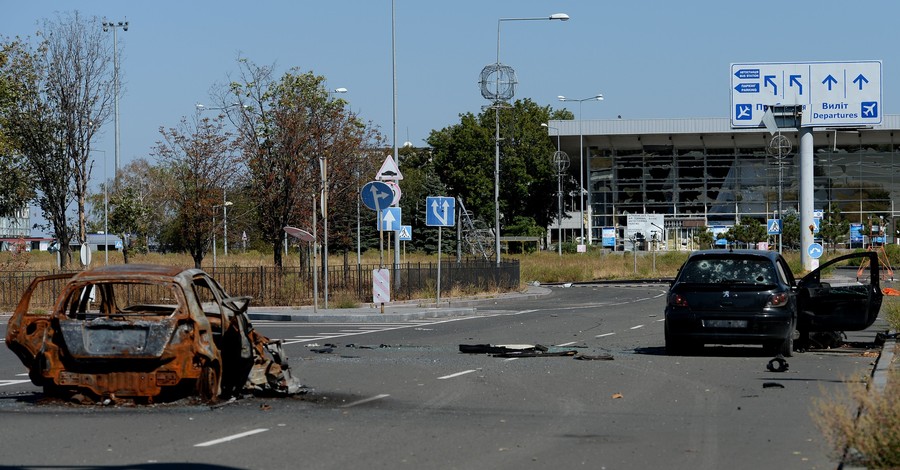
x=703 y=173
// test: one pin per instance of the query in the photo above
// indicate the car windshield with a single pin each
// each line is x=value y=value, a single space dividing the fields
x=730 y=270
x=122 y=298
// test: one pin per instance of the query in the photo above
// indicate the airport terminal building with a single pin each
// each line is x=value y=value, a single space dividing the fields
x=702 y=173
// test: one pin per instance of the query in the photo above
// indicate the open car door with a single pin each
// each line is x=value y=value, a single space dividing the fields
x=850 y=305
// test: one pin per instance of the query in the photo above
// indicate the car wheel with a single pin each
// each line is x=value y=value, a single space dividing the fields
x=675 y=347
x=208 y=383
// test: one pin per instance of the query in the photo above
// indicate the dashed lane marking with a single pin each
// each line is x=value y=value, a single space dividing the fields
x=457 y=374
x=231 y=438
x=366 y=400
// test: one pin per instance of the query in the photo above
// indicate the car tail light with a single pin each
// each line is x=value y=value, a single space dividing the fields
x=677 y=300
x=778 y=300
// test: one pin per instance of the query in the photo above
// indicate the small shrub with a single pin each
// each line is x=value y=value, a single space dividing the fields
x=868 y=435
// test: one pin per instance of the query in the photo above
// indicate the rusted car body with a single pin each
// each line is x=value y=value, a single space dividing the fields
x=145 y=332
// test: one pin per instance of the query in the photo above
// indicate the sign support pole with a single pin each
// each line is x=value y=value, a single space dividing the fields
x=439 y=268
x=806 y=195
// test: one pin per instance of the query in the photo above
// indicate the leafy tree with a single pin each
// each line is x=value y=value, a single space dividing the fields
x=464 y=156
x=288 y=127
x=201 y=158
x=748 y=232
x=834 y=228
x=704 y=238
x=790 y=230
x=16 y=187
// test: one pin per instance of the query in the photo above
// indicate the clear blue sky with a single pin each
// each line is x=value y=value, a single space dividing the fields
x=650 y=59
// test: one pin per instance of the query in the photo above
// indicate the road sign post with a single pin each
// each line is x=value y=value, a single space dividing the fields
x=440 y=211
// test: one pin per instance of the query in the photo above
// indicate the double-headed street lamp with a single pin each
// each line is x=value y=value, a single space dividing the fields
x=107 y=25
x=501 y=73
x=581 y=190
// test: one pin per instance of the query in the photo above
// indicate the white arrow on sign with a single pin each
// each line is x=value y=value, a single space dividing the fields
x=378 y=196
x=445 y=209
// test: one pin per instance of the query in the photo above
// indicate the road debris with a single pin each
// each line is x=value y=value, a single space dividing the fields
x=777 y=364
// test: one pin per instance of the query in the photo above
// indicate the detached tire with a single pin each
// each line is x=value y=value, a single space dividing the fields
x=209 y=382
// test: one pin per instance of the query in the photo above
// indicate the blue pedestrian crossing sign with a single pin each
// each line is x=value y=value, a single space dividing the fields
x=405 y=233
x=774 y=226
x=389 y=219
x=440 y=211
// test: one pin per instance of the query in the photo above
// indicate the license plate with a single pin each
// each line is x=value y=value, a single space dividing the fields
x=725 y=323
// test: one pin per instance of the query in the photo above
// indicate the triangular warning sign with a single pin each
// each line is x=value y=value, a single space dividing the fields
x=389 y=171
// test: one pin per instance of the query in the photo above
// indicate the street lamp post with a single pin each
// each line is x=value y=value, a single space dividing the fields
x=107 y=25
x=323 y=167
x=581 y=190
x=224 y=207
x=555 y=16
x=559 y=171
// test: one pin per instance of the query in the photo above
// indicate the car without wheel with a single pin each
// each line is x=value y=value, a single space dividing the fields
x=752 y=297
x=144 y=332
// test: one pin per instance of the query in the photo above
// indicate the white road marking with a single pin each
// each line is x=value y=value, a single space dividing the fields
x=12 y=382
x=457 y=374
x=567 y=344
x=366 y=400
x=230 y=438
x=604 y=334
x=636 y=327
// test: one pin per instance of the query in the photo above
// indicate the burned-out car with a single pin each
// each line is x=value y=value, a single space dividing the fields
x=752 y=297
x=145 y=332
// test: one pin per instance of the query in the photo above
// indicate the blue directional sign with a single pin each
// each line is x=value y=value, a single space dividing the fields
x=389 y=220
x=830 y=93
x=440 y=211
x=405 y=233
x=774 y=226
x=815 y=250
x=376 y=195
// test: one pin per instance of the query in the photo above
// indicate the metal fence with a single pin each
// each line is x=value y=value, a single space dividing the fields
x=295 y=286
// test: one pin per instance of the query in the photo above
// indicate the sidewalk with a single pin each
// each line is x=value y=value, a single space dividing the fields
x=392 y=312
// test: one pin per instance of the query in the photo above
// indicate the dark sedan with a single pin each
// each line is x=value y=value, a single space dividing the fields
x=752 y=297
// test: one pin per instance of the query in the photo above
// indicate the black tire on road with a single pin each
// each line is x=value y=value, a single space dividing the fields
x=209 y=382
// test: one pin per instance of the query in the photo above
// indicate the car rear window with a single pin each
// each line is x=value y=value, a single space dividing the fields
x=731 y=270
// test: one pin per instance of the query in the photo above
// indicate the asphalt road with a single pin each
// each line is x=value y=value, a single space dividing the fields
x=401 y=395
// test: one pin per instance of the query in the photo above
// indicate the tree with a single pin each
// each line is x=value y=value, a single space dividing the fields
x=80 y=86
x=464 y=156
x=16 y=187
x=704 y=238
x=834 y=228
x=200 y=156
x=748 y=232
x=33 y=127
x=55 y=96
x=288 y=127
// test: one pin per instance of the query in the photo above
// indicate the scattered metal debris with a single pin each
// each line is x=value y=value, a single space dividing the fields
x=528 y=350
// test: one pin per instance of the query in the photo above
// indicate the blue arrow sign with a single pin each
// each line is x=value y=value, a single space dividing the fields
x=747 y=74
x=769 y=81
x=747 y=88
x=440 y=211
x=814 y=250
x=376 y=195
x=390 y=219
x=830 y=81
x=859 y=80
x=795 y=80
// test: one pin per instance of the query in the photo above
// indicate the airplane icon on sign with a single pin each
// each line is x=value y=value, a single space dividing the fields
x=869 y=108
x=743 y=112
